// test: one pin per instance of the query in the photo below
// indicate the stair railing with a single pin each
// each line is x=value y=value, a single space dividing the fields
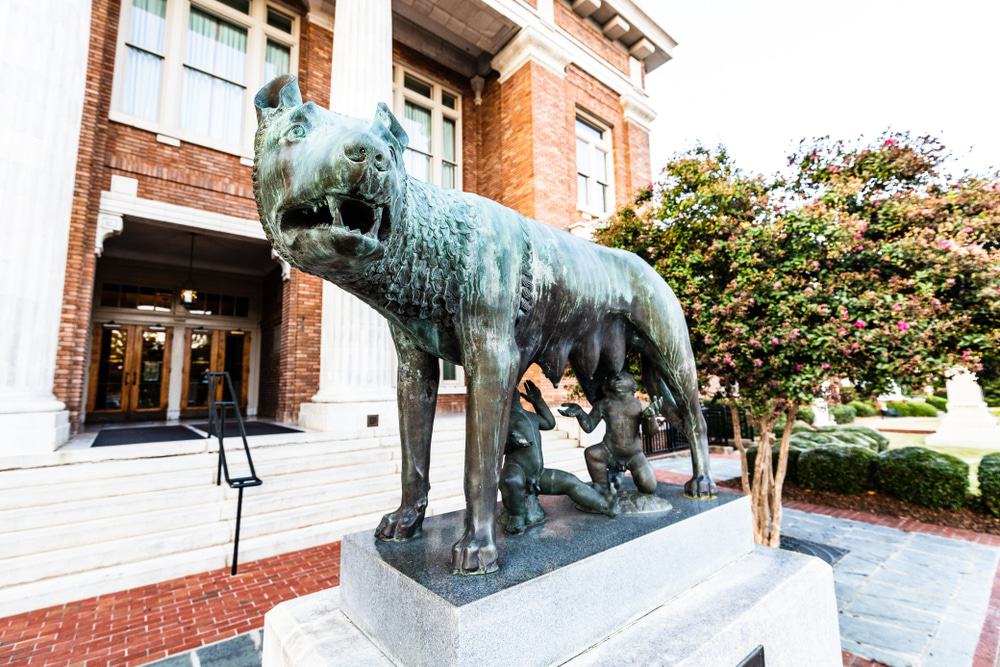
x=217 y=426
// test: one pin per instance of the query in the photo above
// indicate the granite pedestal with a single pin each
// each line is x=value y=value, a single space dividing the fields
x=680 y=587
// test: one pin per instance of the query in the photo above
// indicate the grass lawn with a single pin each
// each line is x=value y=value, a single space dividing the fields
x=970 y=455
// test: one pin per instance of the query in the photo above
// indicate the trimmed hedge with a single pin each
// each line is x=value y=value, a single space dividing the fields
x=880 y=443
x=912 y=408
x=939 y=404
x=843 y=414
x=805 y=414
x=839 y=468
x=845 y=435
x=989 y=482
x=923 y=476
x=863 y=408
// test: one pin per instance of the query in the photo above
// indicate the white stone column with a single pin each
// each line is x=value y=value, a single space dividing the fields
x=44 y=65
x=357 y=357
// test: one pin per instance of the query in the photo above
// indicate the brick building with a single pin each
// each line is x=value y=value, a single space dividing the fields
x=156 y=268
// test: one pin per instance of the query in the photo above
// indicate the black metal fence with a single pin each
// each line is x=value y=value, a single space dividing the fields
x=665 y=438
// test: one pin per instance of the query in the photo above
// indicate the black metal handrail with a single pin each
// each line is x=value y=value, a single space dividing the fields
x=664 y=438
x=217 y=427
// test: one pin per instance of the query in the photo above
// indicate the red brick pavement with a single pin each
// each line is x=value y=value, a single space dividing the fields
x=143 y=624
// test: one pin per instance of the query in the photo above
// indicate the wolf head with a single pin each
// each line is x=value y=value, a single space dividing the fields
x=329 y=188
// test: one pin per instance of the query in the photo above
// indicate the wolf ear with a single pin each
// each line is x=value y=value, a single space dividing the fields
x=281 y=93
x=393 y=129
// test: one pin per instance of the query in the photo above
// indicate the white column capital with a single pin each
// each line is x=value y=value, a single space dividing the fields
x=530 y=44
x=637 y=110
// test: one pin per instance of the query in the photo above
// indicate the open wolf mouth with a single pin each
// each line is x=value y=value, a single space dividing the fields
x=353 y=215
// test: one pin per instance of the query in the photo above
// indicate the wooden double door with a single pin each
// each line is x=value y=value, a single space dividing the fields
x=213 y=350
x=129 y=372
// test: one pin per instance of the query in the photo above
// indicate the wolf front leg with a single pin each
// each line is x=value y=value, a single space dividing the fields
x=492 y=376
x=417 y=384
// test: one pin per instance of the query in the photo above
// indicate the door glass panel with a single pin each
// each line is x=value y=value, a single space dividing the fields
x=111 y=369
x=200 y=362
x=234 y=362
x=150 y=374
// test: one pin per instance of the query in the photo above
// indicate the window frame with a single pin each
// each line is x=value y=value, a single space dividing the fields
x=606 y=144
x=439 y=112
x=168 y=120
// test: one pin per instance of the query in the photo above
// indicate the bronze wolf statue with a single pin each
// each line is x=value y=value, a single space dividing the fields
x=464 y=279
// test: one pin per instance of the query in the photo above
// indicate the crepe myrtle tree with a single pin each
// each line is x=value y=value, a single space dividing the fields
x=788 y=282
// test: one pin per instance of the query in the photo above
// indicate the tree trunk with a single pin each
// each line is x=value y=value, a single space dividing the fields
x=774 y=538
x=734 y=415
x=760 y=490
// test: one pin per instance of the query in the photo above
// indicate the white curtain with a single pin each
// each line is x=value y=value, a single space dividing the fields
x=448 y=162
x=213 y=78
x=144 y=58
x=417 y=123
x=277 y=60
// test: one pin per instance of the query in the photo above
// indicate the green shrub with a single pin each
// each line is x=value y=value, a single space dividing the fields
x=843 y=468
x=939 y=404
x=923 y=476
x=806 y=415
x=912 y=408
x=989 y=482
x=779 y=427
x=791 y=470
x=880 y=442
x=843 y=414
x=863 y=408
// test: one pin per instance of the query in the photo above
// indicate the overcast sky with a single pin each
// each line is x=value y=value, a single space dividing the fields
x=758 y=75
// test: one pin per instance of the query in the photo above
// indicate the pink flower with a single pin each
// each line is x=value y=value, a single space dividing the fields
x=757 y=363
x=775 y=341
x=861 y=324
x=798 y=368
x=889 y=143
x=902 y=326
x=841 y=331
x=966 y=355
x=897 y=306
x=825 y=367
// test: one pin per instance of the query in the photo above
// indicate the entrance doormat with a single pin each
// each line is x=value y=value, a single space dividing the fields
x=137 y=436
x=252 y=428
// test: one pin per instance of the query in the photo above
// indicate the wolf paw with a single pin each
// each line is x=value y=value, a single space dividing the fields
x=474 y=555
x=403 y=524
x=700 y=486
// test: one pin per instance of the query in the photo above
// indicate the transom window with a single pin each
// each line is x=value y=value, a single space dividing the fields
x=185 y=69
x=431 y=116
x=593 y=167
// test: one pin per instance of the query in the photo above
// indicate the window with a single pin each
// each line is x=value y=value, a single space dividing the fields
x=431 y=116
x=186 y=68
x=594 y=193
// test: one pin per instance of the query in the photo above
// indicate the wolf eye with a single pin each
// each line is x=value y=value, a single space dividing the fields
x=295 y=132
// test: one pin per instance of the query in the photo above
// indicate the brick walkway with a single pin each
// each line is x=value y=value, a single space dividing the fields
x=143 y=624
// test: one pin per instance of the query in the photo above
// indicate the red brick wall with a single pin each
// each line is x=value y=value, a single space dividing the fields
x=91 y=177
x=613 y=52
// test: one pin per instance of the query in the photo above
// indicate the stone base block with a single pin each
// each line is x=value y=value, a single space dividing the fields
x=33 y=431
x=563 y=589
x=348 y=417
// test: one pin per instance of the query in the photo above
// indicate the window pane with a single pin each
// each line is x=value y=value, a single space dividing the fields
x=109 y=295
x=416 y=85
x=581 y=191
x=448 y=373
x=417 y=123
x=447 y=175
x=418 y=165
x=585 y=129
x=277 y=59
x=216 y=46
x=141 y=90
x=601 y=166
x=238 y=5
x=212 y=107
x=582 y=157
x=448 y=100
x=279 y=21
x=448 y=148
x=602 y=198
x=147 y=24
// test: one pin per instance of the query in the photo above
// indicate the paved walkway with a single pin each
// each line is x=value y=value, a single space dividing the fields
x=905 y=598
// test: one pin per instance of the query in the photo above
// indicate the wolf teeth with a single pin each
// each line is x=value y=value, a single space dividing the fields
x=373 y=232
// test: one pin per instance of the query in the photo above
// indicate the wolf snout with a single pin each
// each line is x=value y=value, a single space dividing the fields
x=364 y=149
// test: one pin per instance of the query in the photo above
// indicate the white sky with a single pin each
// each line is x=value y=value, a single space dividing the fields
x=759 y=75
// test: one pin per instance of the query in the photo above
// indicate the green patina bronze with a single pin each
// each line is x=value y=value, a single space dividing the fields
x=464 y=279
